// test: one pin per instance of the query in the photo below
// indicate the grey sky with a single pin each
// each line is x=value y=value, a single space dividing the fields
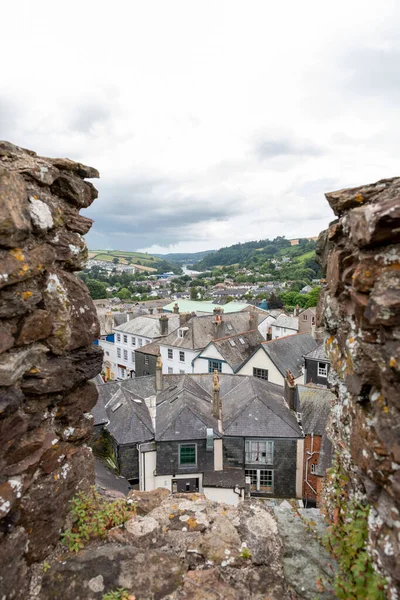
x=210 y=122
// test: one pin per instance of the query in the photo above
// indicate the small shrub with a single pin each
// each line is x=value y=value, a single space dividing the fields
x=245 y=553
x=93 y=516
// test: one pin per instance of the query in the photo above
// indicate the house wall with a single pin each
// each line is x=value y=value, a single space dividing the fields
x=312 y=447
x=282 y=331
x=284 y=466
x=128 y=461
x=200 y=364
x=129 y=347
x=265 y=325
x=225 y=495
x=141 y=368
x=150 y=481
x=174 y=363
x=307 y=325
x=261 y=360
x=311 y=373
x=168 y=458
x=109 y=361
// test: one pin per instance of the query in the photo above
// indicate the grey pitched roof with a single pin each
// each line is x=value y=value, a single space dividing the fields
x=288 y=322
x=152 y=348
x=122 y=406
x=236 y=349
x=148 y=325
x=317 y=354
x=184 y=412
x=256 y=408
x=224 y=479
x=314 y=405
x=325 y=457
x=287 y=352
x=201 y=330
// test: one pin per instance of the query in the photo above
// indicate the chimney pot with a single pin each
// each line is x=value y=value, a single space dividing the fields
x=289 y=390
x=159 y=377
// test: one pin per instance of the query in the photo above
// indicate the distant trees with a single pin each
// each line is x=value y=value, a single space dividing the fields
x=115 y=260
x=97 y=289
x=124 y=294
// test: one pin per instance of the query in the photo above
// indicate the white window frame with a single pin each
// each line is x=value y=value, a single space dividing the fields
x=133 y=341
x=313 y=468
x=170 y=371
x=118 y=337
x=125 y=354
x=125 y=338
x=146 y=359
x=256 y=476
x=322 y=369
x=132 y=356
x=181 y=356
x=254 y=450
x=118 y=352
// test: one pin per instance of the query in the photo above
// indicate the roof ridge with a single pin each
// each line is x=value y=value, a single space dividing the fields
x=284 y=337
x=227 y=337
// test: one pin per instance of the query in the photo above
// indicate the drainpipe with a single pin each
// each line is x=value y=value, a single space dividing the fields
x=307 y=461
x=142 y=469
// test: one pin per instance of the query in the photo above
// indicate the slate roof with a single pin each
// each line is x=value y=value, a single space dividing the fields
x=256 y=408
x=148 y=325
x=152 y=348
x=287 y=352
x=184 y=412
x=201 y=330
x=314 y=405
x=228 y=478
x=288 y=322
x=122 y=406
x=236 y=349
x=317 y=354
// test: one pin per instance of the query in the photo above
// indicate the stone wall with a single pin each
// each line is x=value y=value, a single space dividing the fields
x=360 y=312
x=47 y=326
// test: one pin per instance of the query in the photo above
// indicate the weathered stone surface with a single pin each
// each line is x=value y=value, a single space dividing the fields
x=63 y=372
x=161 y=555
x=14 y=217
x=360 y=308
x=19 y=264
x=37 y=326
x=15 y=363
x=74 y=316
x=378 y=192
x=80 y=193
x=96 y=571
x=47 y=325
x=148 y=501
x=18 y=299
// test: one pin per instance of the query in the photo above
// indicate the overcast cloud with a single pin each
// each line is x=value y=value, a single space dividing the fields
x=211 y=122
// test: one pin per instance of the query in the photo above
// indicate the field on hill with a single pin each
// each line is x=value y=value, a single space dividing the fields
x=141 y=260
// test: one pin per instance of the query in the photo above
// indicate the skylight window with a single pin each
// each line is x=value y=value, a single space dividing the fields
x=241 y=340
x=116 y=407
x=229 y=326
x=232 y=343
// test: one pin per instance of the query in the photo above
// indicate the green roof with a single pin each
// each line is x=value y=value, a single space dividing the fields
x=206 y=306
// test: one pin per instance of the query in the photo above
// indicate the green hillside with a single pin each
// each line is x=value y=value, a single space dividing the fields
x=141 y=260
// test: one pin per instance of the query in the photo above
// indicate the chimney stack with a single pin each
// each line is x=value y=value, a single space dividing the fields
x=163 y=324
x=216 y=400
x=296 y=311
x=289 y=390
x=159 y=309
x=151 y=310
x=176 y=308
x=108 y=323
x=217 y=326
x=159 y=377
x=184 y=318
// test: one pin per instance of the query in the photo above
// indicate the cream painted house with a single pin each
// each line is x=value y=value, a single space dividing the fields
x=271 y=361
